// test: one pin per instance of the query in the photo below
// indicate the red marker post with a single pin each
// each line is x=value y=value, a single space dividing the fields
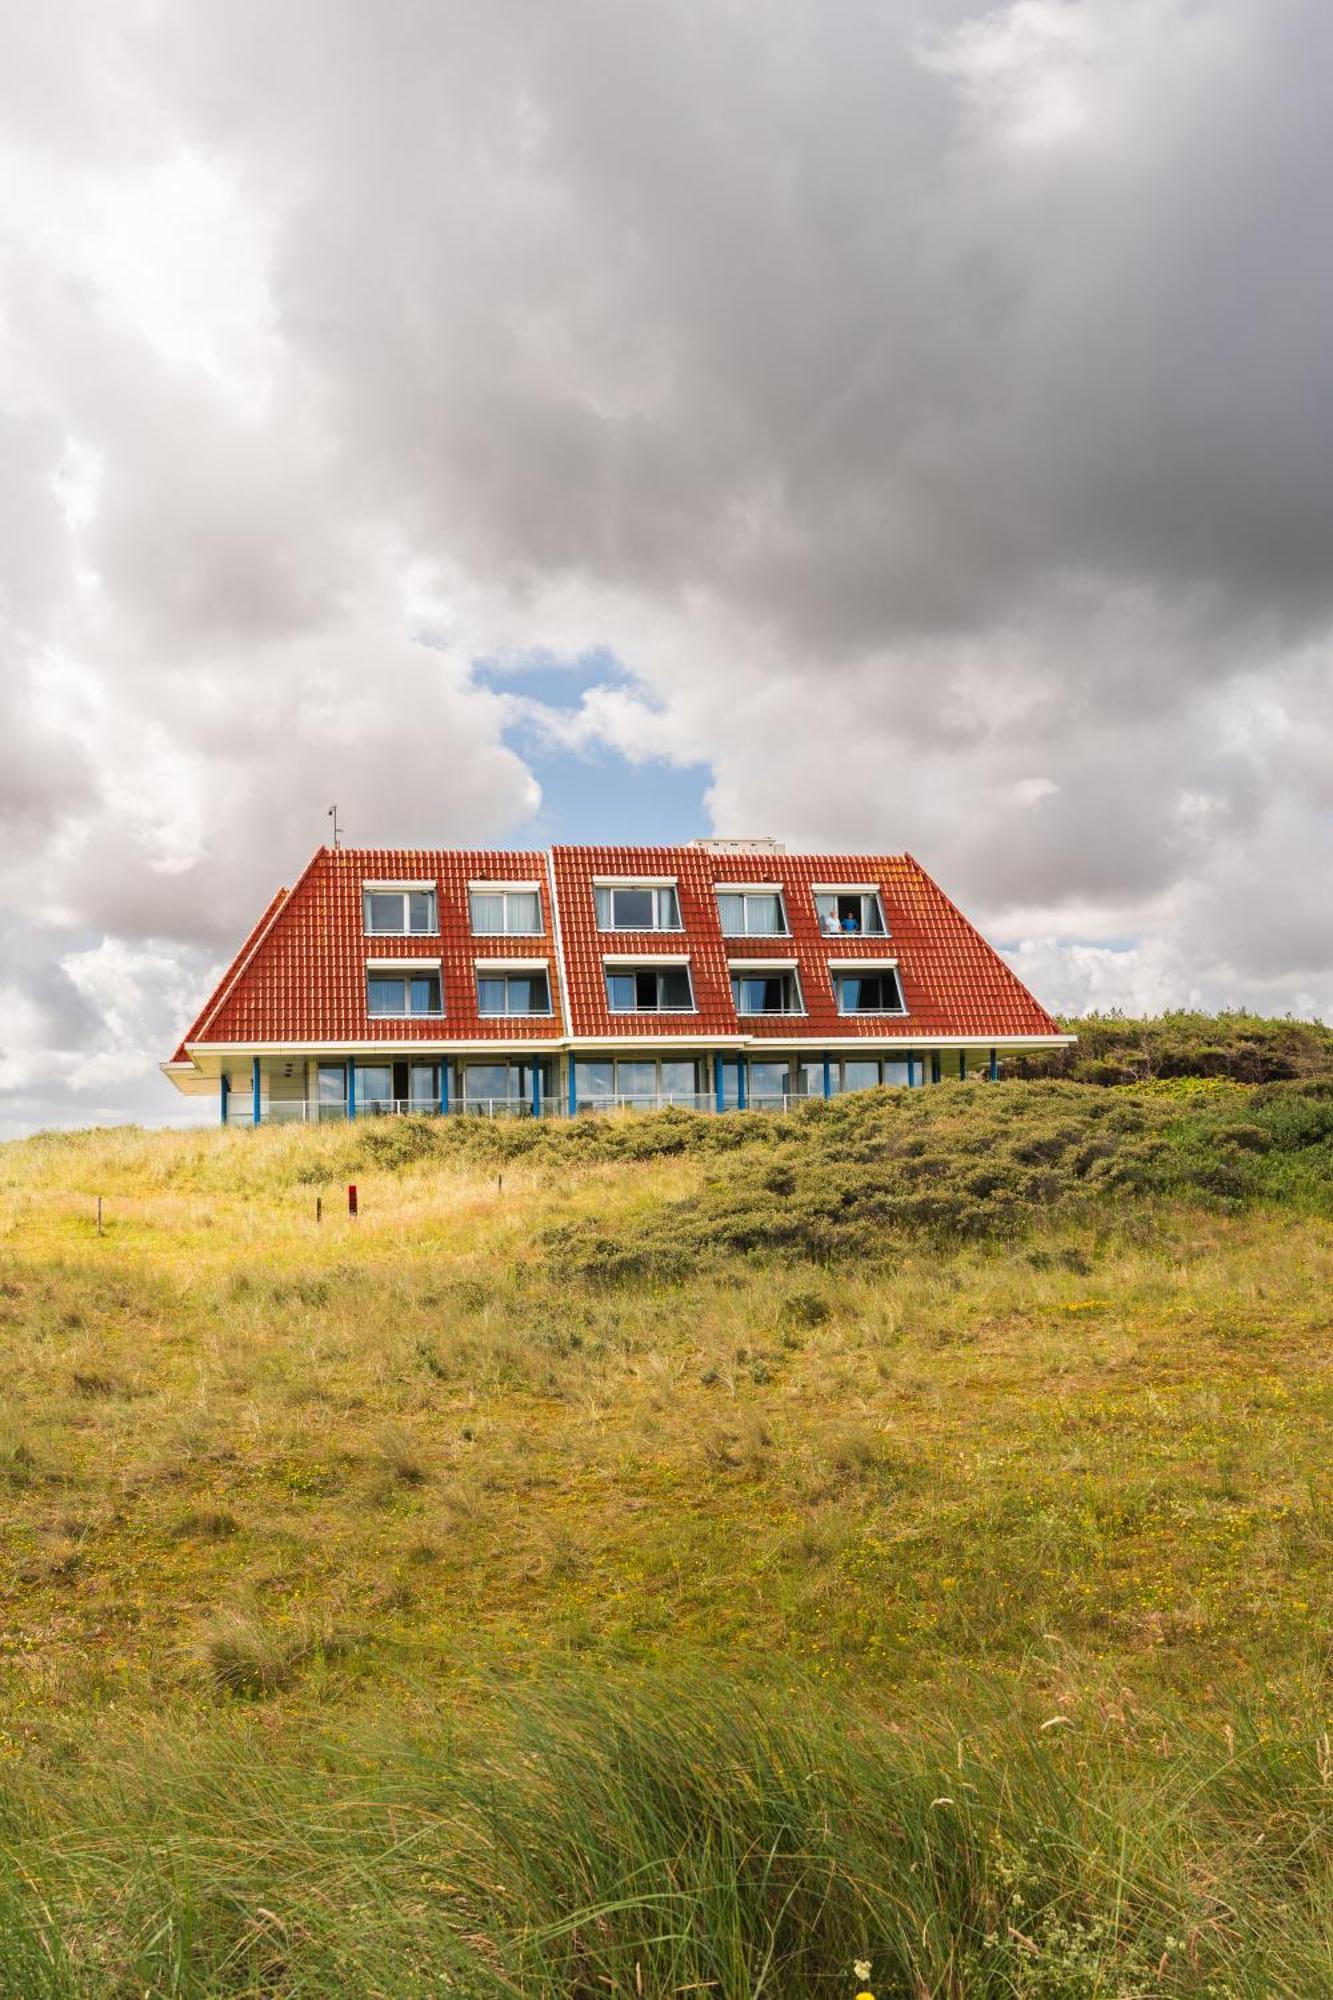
x=351 y=1197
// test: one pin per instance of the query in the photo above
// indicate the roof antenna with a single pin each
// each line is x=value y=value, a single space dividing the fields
x=337 y=833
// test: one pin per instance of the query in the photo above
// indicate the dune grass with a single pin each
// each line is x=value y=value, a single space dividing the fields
x=440 y=1602
x=683 y=1833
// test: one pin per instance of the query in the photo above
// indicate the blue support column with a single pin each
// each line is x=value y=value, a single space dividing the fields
x=742 y=1082
x=255 y=1089
x=536 y=1090
x=828 y=1078
x=962 y=1065
x=994 y=1066
x=573 y=1086
x=351 y=1086
x=935 y=1067
x=224 y=1085
x=444 y=1087
x=719 y=1083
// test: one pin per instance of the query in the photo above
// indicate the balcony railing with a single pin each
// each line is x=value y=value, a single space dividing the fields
x=289 y=1111
x=286 y=1111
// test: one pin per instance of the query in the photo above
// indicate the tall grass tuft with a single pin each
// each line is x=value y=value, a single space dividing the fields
x=682 y=1833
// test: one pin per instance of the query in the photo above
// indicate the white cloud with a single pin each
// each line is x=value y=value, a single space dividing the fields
x=929 y=406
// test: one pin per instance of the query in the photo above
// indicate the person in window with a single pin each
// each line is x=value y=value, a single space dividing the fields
x=832 y=928
x=849 y=922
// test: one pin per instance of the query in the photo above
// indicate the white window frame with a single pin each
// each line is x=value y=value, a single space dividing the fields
x=654 y=885
x=843 y=968
x=765 y=967
x=507 y=969
x=744 y=889
x=403 y=889
x=647 y=962
x=861 y=889
x=506 y=890
x=405 y=969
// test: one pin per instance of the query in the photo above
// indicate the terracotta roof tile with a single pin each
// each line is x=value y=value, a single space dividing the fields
x=300 y=976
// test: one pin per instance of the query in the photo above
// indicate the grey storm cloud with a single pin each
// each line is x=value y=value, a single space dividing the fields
x=943 y=392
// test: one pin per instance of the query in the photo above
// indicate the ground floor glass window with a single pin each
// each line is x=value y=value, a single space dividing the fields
x=641 y=1082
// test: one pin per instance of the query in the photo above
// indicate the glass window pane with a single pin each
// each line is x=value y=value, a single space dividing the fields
x=768 y=1079
x=374 y=1084
x=483 y=1080
x=668 y=910
x=860 y=1075
x=810 y=1078
x=332 y=1083
x=679 y=1079
x=525 y=910
x=871 y=919
x=426 y=994
x=424 y=1087
x=539 y=995
x=676 y=988
x=636 y=1079
x=620 y=992
x=595 y=1079
x=421 y=910
x=490 y=996
x=634 y=909
x=488 y=912
x=763 y=917
x=602 y=897
x=384 y=912
x=731 y=915
x=386 y=996
x=849 y=996
x=897 y=1073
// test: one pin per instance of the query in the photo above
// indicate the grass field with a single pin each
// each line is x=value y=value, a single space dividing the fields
x=674 y=1555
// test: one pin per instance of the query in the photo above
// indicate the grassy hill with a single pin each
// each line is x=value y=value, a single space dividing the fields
x=675 y=1554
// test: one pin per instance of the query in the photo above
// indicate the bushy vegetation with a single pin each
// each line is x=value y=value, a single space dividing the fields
x=1246 y=1048
x=848 y=1181
x=672 y=1554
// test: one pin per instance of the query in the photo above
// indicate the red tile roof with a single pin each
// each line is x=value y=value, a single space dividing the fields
x=300 y=976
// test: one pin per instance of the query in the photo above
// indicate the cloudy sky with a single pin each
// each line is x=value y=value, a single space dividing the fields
x=877 y=425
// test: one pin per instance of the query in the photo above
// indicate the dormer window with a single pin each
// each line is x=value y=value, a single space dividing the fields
x=850 y=912
x=751 y=912
x=648 y=988
x=637 y=906
x=517 y=989
x=505 y=909
x=403 y=992
x=766 y=989
x=868 y=989
x=394 y=910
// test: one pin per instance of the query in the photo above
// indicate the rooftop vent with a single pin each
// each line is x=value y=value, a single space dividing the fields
x=761 y=844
